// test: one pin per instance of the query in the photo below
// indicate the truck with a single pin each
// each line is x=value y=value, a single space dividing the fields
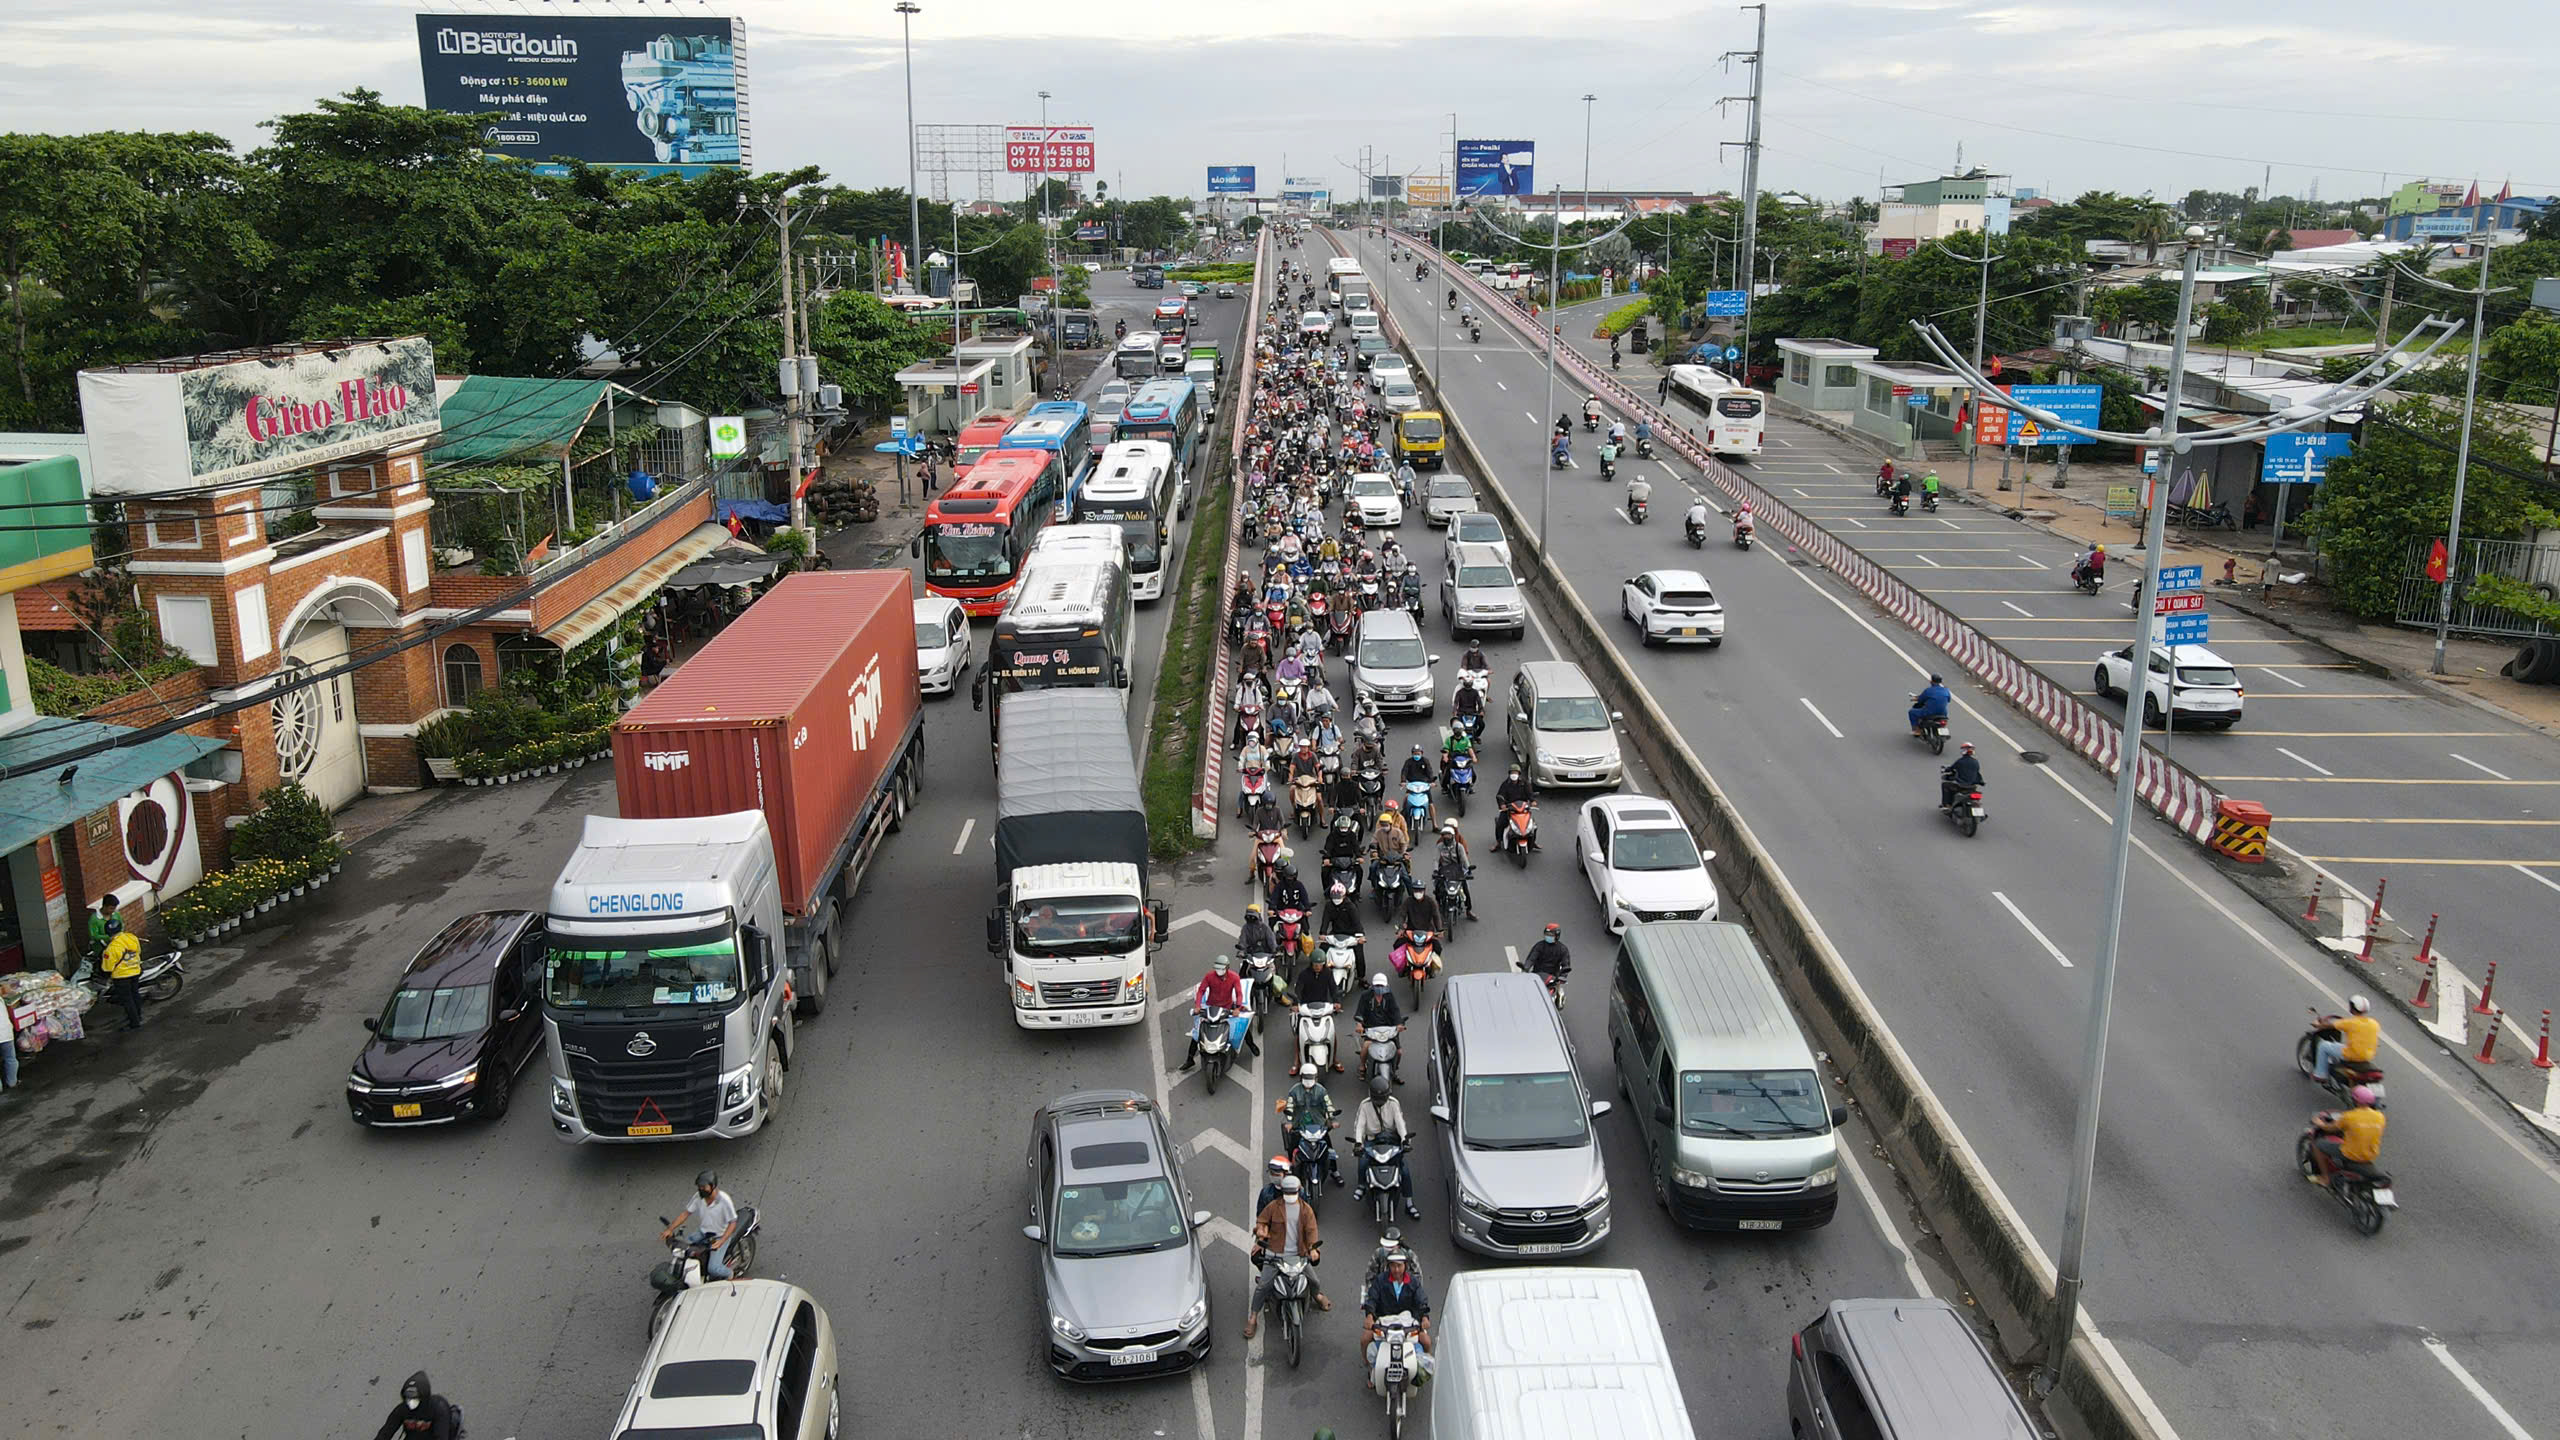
x=1074 y=922
x=1553 y=1353
x=1210 y=351
x=755 y=787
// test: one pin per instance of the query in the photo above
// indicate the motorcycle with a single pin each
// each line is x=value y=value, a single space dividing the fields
x=1248 y=720
x=1393 y=879
x=1380 y=1175
x=2367 y=1194
x=1416 y=957
x=1289 y=929
x=1449 y=887
x=2088 y=581
x=163 y=976
x=1475 y=334
x=1884 y=481
x=1591 y=417
x=1315 y=1033
x=1258 y=969
x=1381 y=1052
x=1695 y=531
x=686 y=1267
x=1217 y=1045
x=1289 y=1290
x=1742 y=534
x=1561 y=458
x=1966 y=810
x=2346 y=1075
x=1933 y=731
x=1340 y=954
x=1637 y=508
x=1345 y=871
x=1396 y=1337
x=1306 y=804
x=1901 y=503
x=1235 y=628
x=1644 y=447
x=1608 y=467
x=1329 y=756
x=1412 y=585
x=1518 y=833
x=1252 y=787
x=1417 y=805
x=1373 y=787
x=1458 y=781
x=1928 y=502
x=1311 y=1156
x=1346 y=620
x=1270 y=845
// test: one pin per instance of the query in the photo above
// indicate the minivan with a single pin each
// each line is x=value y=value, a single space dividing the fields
x=1522 y=1157
x=1391 y=665
x=1479 y=592
x=738 y=1357
x=1911 y=1369
x=1738 y=1132
x=1561 y=731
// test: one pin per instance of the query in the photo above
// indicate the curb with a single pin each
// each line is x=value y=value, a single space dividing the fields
x=1206 y=800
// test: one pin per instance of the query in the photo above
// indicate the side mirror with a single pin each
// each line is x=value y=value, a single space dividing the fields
x=915 y=547
x=1162 y=919
x=1662 y=1115
x=1705 y=855
x=1034 y=1232
x=1616 y=718
x=1120 y=673
x=1600 y=1108
x=1435 y=660
x=1201 y=1217
x=995 y=930
x=1441 y=1114
x=372 y=1022
x=509 y=1017
x=1839 y=1116
x=759 y=958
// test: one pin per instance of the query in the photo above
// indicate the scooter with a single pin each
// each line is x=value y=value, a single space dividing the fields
x=1217 y=1045
x=163 y=976
x=1449 y=887
x=1343 y=870
x=2088 y=581
x=1289 y=1289
x=1884 y=481
x=1518 y=834
x=1413 y=595
x=2346 y=1075
x=1742 y=534
x=1637 y=508
x=1396 y=1337
x=1901 y=503
x=1306 y=804
x=1416 y=957
x=1458 y=781
x=1966 y=810
x=1381 y=1052
x=1475 y=334
x=1929 y=502
x=1591 y=417
x=1417 y=805
x=1644 y=447
x=1315 y=1033
x=1561 y=458
x=1252 y=787
x=1380 y=1174
x=1270 y=843
x=1696 y=532
x=685 y=1268
x=1373 y=787
x=1393 y=879
x=1258 y=969
x=1340 y=954
x=1933 y=731
x=1608 y=468
x=1289 y=929
x=2368 y=1197
x=1311 y=1157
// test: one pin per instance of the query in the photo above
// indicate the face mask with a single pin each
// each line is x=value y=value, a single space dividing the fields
x=413 y=1402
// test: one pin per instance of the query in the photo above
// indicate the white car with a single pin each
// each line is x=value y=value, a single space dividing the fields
x=2207 y=688
x=1641 y=863
x=1445 y=497
x=1389 y=367
x=1672 y=605
x=1479 y=527
x=943 y=647
x=1374 y=501
x=1315 y=323
x=1400 y=396
x=1114 y=389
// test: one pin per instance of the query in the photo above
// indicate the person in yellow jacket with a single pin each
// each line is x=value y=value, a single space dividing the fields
x=122 y=965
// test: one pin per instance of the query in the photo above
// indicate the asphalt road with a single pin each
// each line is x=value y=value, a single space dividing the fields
x=2238 y=1296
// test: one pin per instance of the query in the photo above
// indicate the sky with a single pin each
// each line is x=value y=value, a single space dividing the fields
x=2163 y=96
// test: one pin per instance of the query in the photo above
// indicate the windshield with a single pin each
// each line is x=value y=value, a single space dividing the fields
x=1483 y=577
x=1688 y=600
x=1451 y=489
x=1738 y=407
x=1572 y=712
x=1142 y=543
x=1122 y=1217
x=968 y=550
x=1653 y=850
x=1377 y=485
x=1399 y=390
x=435 y=1014
x=1109 y=408
x=930 y=635
x=1752 y=1102
x=1522 y=1112
x=1082 y=925
x=1399 y=654
x=2220 y=676
x=698 y=968
x=968 y=455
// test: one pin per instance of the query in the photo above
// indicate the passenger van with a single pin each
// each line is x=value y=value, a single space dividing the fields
x=1555 y=1353
x=1912 y=1369
x=1726 y=1092
x=1519 y=1149
x=1391 y=665
x=1562 y=732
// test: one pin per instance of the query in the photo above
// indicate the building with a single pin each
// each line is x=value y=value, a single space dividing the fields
x=1926 y=210
x=1821 y=374
x=1905 y=404
x=979 y=377
x=2465 y=216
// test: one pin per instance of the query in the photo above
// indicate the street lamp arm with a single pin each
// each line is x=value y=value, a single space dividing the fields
x=1558 y=247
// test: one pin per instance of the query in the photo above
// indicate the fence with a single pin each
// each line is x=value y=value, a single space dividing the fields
x=1206 y=797
x=2535 y=566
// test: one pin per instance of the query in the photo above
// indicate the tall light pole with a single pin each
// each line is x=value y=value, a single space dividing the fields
x=1981 y=310
x=1751 y=181
x=1049 y=247
x=1587 y=102
x=907 y=12
x=2480 y=294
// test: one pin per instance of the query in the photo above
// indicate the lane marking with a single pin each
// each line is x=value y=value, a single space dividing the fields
x=1826 y=724
x=2534 y=876
x=2477 y=1391
x=961 y=845
x=2476 y=765
x=1861 y=524
x=2023 y=555
x=2357 y=780
x=2422 y=860
x=2307 y=764
x=2021 y=609
x=1498 y=385
x=1925 y=560
x=1510 y=955
x=2021 y=917
x=2289 y=680
x=2402 y=820
x=1807 y=494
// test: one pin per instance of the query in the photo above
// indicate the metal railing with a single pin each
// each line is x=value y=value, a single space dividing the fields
x=2535 y=566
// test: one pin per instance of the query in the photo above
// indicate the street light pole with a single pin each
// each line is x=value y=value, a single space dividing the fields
x=2462 y=462
x=907 y=11
x=1981 y=310
x=1587 y=102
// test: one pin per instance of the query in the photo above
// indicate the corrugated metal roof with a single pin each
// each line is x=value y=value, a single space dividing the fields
x=636 y=587
x=507 y=417
x=45 y=801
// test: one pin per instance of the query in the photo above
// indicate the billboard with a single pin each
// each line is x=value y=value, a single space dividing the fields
x=1230 y=179
x=1385 y=187
x=1048 y=149
x=2441 y=226
x=1093 y=230
x=1996 y=424
x=1426 y=190
x=1497 y=167
x=288 y=408
x=666 y=93
x=1306 y=189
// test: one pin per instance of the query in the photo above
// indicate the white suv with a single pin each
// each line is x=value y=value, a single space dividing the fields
x=738 y=1357
x=2207 y=689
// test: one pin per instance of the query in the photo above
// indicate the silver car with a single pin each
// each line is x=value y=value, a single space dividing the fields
x=1478 y=592
x=1448 y=497
x=1562 y=732
x=1523 y=1158
x=1119 y=1248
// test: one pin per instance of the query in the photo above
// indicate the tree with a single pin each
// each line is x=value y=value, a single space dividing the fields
x=2151 y=227
x=2153 y=303
x=1007 y=270
x=2522 y=362
x=860 y=343
x=2398 y=487
x=2096 y=215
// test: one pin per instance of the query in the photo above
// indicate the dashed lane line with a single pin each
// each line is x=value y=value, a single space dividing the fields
x=2306 y=764
x=2475 y=1389
x=2021 y=917
x=2476 y=765
x=2289 y=680
x=2533 y=875
x=2021 y=609
x=961 y=845
x=1826 y=720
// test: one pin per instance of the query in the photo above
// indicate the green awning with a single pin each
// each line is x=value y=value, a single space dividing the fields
x=503 y=417
x=39 y=803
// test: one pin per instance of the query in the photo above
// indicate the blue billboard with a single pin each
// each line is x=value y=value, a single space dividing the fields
x=1230 y=179
x=2302 y=457
x=662 y=93
x=2075 y=403
x=1497 y=167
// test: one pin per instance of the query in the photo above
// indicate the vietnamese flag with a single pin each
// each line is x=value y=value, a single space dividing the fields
x=2436 y=563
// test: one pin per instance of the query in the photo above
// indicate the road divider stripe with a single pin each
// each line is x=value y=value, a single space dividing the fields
x=2021 y=917
x=961 y=845
x=1825 y=719
x=2476 y=765
x=2307 y=764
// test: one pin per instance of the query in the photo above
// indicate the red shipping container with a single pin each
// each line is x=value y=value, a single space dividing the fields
x=800 y=709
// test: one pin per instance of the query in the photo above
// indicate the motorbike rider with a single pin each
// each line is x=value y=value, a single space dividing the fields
x=1742 y=520
x=1608 y=461
x=710 y=1213
x=1884 y=477
x=1562 y=455
x=1618 y=435
x=1286 y=1226
x=1591 y=411
x=2360 y=1036
x=1639 y=494
x=1515 y=789
x=1254 y=937
x=1964 y=775
x=1308 y=1103
x=1342 y=917
x=1417 y=766
x=1564 y=426
x=1902 y=492
x=1378 y=1007
x=1929 y=486
x=1421 y=913
x=1222 y=988
x=1274 y=1170
x=1288 y=892
x=1319 y=986
x=2092 y=564
x=1383 y=1114
x=2351 y=1139
x=1466 y=705
x=1389 y=843
x=1695 y=522
x=1931 y=703
x=422 y=1414
x=1453 y=848
x=1644 y=437
x=1549 y=959
x=1396 y=1290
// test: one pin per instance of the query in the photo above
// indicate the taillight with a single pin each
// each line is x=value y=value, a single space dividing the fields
x=1799 y=1345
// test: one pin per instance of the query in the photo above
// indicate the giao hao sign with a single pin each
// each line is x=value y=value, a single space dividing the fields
x=176 y=426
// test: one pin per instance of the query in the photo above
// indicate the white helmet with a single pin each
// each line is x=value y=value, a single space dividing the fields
x=2359 y=1004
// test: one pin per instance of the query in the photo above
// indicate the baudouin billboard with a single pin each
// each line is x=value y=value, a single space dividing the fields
x=657 y=93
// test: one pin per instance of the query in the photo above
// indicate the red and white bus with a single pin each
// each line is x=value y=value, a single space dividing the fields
x=978 y=533
x=976 y=440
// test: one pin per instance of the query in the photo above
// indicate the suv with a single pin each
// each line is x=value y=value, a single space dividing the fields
x=1119 y=1257
x=2206 y=688
x=1391 y=665
x=738 y=1357
x=1912 y=1369
x=1560 y=729
x=1478 y=591
x=1523 y=1158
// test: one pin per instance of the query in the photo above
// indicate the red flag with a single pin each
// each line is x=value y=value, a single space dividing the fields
x=806 y=480
x=2435 y=563
x=2474 y=197
x=541 y=548
x=735 y=528
x=1994 y=368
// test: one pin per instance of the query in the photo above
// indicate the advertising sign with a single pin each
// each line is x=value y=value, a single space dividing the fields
x=729 y=434
x=2120 y=502
x=1306 y=189
x=2075 y=403
x=1230 y=179
x=1426 y=190
x=151 y=432
x=2302 y=458
x=1497 y=167
x=1899 y=248
x=2190 y=629
x=1048 y=149
x=1094 y=230
x=2441 y=226
x=1385 y=187
x=1726 y=302
x=659 y=93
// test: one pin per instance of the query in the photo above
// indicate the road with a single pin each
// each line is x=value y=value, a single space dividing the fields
x=2238 y=1297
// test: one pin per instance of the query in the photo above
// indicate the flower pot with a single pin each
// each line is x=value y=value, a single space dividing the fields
x=266 y=905
x=337 y=865
x=446 y=769
x=301 y=890
x=471 y=780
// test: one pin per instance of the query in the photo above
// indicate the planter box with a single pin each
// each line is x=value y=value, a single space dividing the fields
x=445 y=771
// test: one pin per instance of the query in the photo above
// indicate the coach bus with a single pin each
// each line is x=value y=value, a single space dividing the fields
x=1069 y=624
x=1172 y=321
x=978 y=532
x=1064 y=428
x=1737 y=416
x=1169 y=411
x=1135 y=488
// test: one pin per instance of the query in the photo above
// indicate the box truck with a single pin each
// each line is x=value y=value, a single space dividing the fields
x=1553 y=1353
x=755 y=787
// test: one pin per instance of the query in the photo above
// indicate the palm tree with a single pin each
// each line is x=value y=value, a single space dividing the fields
x=2151 y=228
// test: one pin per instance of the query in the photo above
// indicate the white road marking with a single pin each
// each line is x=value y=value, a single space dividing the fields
x=1854 y=520
x=1825 y=719
x=1834 y=469
x=2478 y=1391
x=1511 y=957
x=1498 y=385
x=2021 y=917
x=961 y=845
x=2536 y=876
x=2019 y=608
x=1807 y=494
x=1925 y=560
x=1950 y=524
x=2289 y=680
x=1532 y=418
x=2300 y=761
x=1210 y=918
x=1857 y=1166
x=2483 y=769
x=2023 y=555
x=1214 y=1139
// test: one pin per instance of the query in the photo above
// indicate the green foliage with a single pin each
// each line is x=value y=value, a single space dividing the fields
x=792 y=543
x=290 y=825
x=2510 y=594
x=1622 y=319
x=2398 y=486
x=2154 y=303
x=1156 y=223
x=861 y=343
x=1075 y=288
x=2245 y=313
x=1224 y=273
x=59 y=693
x=2522 y=361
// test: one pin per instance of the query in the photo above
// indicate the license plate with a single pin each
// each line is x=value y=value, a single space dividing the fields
x=2383 y=1196
x=1977 y=812
x=1582 y=774
x=409 y=1111
x=1133 y=1357
x=1689 y=630
x=1539 y=1249
x=650 y=1130
x=1763 y=1224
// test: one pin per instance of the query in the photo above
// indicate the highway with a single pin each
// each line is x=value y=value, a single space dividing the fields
x=2236 y=1295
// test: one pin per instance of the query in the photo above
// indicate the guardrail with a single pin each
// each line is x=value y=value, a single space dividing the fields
x=1205 y=797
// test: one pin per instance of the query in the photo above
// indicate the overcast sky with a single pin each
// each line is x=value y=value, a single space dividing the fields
x=2160 y=95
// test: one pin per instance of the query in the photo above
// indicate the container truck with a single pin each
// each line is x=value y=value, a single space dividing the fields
x=1073 y=920
x=755 y=787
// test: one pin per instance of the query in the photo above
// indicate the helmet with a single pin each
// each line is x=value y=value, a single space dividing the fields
x=1515 y=772
x=710 y=1178
x=1937 y=679
x=1278 y=1165
x=1417 y=749
x=1378 y=981
x=1219 y=964
x=1253 y=907
x=1968 y=747
x=1421 y=889
x=1378 y=1084
x=1554 y=929
x=2362 y=1094
x=1341 y=890
x=1391 y=1238
x=2359 y=1004
x=1289 y=1185
x=1307 y=1072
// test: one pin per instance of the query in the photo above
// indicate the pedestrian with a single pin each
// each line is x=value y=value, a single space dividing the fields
x=927 y=473
x=123 y=966
x=103 y=922
x=1662 y=391
x=8 y=1051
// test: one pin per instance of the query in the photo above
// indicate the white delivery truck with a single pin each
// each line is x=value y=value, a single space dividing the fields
x=1553 y=1353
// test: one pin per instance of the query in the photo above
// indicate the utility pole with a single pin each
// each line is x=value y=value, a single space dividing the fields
x=2390 y=289
x=907 y=12
x=1750 y=176
x=2480 y=294
x=1981 y=312
x=790 y=371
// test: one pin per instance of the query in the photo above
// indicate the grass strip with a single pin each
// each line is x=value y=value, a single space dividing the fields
x=1622 y=319
x=1191 y=643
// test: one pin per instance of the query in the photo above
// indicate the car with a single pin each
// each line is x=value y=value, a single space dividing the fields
x=1190 y=287
x=1093 y=267
x=1479 y=592
x=943 y=645
x=1120 y=1265
x=2207 y=688
x=1560 y=731
x=742 y=1357
x=1370 y=347
x=1361 y=317
x=1226 y=292
x=1447 y=497
x=1480 y=527
x=1389 y=367
x=1315 y=323
x=1374 y=501
x=459 y=1025
x=1114 y=392
x=1107 y=411
x=1641 y=863
x=1391 y=665
x=1899 y=1367
x=1172 y=357
x=1516 y=1141
x=1399 y=396
x=1668 y=606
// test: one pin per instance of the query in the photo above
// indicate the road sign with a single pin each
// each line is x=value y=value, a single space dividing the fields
x=2185 y=629
x=2303 y=459
x=897 y=427
x=2175 y=578
x=1726 y=302
x=2184 y=602
x=1901 y=390
x=2150 y=462
x=1732 y=353
x=2075 y=403
x=1919 y=399
x=2028 y=433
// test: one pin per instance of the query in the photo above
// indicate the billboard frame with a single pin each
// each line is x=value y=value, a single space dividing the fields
x=1485 y=168
x=469 y=65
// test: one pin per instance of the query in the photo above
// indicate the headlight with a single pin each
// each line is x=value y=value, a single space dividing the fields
x=1827 y=1175
x=1198 y=1312
x=359 y=1084
x=1136 y=985
x=563 y=1099
x=453 y=1081
x=1470 y=1200
x=737 y=1087
x=1691 y=1178
x=1060 y=1327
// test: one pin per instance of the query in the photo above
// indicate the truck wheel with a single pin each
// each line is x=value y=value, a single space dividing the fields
x=773 y=1073
x=813 y=996
x=898 y=801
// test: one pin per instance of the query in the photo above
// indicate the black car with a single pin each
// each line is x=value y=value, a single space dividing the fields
x=462 y=1022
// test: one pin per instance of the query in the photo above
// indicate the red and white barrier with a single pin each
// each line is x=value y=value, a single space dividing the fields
x=1206 y=801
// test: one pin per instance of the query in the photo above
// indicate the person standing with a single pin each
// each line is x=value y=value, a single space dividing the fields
x=103 y=922
x=122 y=964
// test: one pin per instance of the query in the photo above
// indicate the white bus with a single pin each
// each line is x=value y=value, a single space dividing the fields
x=1737 y=416
x=1135 y=357
x=1135 y=489
x=1342 y=272
x=1070 y=621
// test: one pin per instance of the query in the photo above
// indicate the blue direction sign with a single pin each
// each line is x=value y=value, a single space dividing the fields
x=2187 y=629
x=1725 y=302
x=2174 y=578
x=1919 y=399
x=2302 y=458
x=2075 y=403
x=1732 y=352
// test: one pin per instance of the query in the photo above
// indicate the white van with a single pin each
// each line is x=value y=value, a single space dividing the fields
x=1553 y=1353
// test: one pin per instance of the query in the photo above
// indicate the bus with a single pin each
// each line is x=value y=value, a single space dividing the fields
x=1064 y=428
x=1069 y=624
x=1136 y=356
x=978 y=532
x=1172 y=321
x=1168 y=411
x=1340 y=271
x=1136 y=488
x=1737 y=415
x=976 y=440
